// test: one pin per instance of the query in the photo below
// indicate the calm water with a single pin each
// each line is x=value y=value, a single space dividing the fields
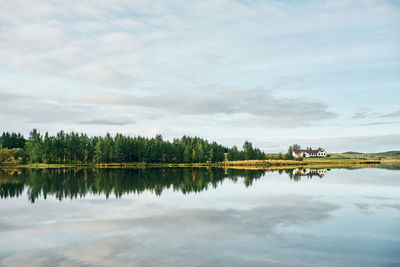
x=200 y=217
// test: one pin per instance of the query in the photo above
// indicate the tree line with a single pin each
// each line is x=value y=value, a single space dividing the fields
x=79 y=148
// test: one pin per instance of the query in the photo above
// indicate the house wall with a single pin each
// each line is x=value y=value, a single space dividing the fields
x=301 y=155
x=307 y=155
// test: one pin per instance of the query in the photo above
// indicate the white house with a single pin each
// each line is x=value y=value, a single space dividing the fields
x=309 y=153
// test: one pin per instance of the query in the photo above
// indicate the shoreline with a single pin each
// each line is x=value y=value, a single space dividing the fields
x=245 y=164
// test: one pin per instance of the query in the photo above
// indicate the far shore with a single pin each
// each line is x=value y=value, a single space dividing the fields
x=243 y=164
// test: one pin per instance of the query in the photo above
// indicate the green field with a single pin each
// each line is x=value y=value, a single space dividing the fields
x=329 y=159
x=389 y=155
x=339 y=160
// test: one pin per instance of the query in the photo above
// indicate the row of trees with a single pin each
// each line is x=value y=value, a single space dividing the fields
x=79 y=148
x=247 y=153
x=12 y=140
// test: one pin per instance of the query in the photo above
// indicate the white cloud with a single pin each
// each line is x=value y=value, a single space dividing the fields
x=162 y=59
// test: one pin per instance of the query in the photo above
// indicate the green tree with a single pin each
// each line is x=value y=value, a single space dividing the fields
x=59 y=144
x=187 y=157
x=48 y=149
x=35 y=146
x=248 y=150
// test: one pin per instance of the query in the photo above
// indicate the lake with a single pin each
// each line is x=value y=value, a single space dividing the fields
x=200 y=217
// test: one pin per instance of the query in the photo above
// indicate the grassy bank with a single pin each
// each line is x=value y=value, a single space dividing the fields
x=249 y=164
x=339 y=161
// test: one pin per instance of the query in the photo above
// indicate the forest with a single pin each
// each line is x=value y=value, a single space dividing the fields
x=80 y=148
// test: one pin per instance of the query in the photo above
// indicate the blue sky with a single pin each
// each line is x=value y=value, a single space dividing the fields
x=318 y=73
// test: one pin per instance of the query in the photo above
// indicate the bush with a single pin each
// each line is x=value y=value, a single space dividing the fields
x=5 y=154
x=12 y=155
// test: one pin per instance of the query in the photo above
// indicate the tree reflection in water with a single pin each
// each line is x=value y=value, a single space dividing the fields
x=74 y=183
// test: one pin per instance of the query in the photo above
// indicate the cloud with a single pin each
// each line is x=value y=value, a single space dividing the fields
x=35 y=109
x=147 y=240
x=245 y=108
x=379 y=123
x=361 y=115
x=42 y=109
x=109 y=121
x=137 y=41
x=394 y=206
x=367 y=114
x=189 y=66
x=394 y=114
x=260 y=106
x=7 y=97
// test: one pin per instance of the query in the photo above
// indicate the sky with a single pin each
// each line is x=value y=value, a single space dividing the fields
x=317 y=73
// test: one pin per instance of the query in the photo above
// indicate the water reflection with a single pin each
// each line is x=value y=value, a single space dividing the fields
x=74 y=183
x=309 y=173
x=253 y=218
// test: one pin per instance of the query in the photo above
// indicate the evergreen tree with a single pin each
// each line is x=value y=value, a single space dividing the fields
x=35 y=146
x=79 y=148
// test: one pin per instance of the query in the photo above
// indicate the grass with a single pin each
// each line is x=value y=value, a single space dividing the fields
x=269 y=162
x=389 y=155
x=339 y=160
x=335 y=161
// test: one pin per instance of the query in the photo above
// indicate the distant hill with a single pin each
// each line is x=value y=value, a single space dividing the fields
x=388 y=153
x=380 y=155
